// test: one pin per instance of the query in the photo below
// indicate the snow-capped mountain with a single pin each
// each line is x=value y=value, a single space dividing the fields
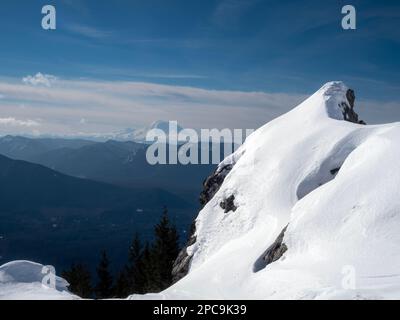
x=139 y=135
x=306 y=208
x=132 y=134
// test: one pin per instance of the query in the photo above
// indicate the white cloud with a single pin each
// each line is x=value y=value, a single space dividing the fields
x=119 y=104
x=114 y=105
x=39 y=80
x=15 y=122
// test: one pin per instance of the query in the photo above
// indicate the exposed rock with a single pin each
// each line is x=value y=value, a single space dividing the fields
x=334 y=171
x=351 y=97
x=273 y=253
x=182 y=263
x=212 y=184
x=228 y=204
x=210 y=187
x=348 y=108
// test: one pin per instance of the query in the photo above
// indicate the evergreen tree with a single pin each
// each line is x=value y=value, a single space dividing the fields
x=122 y=289
x=150 y=270
x=135 y=251
x=136 y=277
x=79 y=279
x=163 y=254
x=105 y=281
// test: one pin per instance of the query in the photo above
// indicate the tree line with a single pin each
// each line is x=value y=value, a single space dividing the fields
x=148 y=270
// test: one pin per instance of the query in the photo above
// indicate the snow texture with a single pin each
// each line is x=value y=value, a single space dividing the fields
x=333 y=183
x=22 y=280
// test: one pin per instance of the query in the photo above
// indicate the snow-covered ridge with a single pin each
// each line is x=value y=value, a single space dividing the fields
x=314 y=200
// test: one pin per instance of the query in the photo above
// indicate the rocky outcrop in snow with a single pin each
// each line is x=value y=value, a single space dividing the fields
x=210 y=187
x=273 y=253
x=212 y=184
x=228 y=204
x=182 y=263
x=348 y=108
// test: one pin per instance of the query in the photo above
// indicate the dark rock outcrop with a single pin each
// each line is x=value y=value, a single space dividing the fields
x=335 y=171
x=210 y=187
x=348 y=108
x=182 y=263
x=351 y=97
x=273 y=253
x=228 y=204
x=212 y=184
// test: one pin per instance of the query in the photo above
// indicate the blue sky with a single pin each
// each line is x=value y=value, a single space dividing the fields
x=275 y=47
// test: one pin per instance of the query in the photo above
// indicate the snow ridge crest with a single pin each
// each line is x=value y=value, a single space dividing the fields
x=333 y=100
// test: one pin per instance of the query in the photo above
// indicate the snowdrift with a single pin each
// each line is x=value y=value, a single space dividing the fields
x=22 y=280
x=309 y=210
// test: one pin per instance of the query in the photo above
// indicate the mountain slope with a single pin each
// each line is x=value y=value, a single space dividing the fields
x=24 y=185
x=99 y=161
x=22 y=148
x=125 y=164
x=56 y=219
x=307 y=209
x=117 y=162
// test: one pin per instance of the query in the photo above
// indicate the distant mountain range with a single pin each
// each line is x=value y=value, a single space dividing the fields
x=116 y=162
x=28 y=186
x=23 y=148
x=44 y=213
x=79 y=196
x=127 y=134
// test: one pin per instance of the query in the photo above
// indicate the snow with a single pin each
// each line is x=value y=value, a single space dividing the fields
x=171 y=131
x=333 y=183
x=137 y=135
x=22 y=280
x=343 y=234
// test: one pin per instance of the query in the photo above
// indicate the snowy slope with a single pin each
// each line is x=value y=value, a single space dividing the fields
x=22 y=280
x=342 y=239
